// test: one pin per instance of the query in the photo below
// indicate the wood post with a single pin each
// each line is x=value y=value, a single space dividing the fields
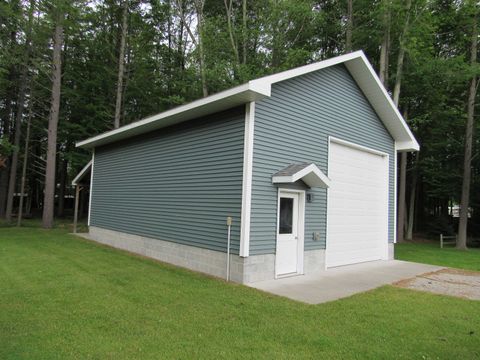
x=75 y=214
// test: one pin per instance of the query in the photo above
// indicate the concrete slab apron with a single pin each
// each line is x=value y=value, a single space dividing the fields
x=344 y=281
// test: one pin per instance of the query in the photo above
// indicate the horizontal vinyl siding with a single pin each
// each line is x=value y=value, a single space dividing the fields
x=177 y=184
x=293 y=126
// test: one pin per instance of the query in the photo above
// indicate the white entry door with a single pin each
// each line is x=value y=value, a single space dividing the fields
x=289 y=234
x=357 y=229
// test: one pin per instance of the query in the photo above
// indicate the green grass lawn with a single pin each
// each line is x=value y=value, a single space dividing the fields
x=430 y=253
x=63 y=297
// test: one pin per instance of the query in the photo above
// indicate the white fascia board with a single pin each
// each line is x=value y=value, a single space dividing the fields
x=368 y=81
x=302 y=70
x=408 y=146
x=222 y=101
x=82 y=172
x=356 y=63
x=282 y=179
x=313 y=176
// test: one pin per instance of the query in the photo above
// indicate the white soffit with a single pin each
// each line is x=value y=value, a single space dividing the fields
x=356 y=63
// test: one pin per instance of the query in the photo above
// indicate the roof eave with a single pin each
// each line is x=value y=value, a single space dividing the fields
x=370 y=84
x=407 y=146
x=356 y=63
x=218 y=102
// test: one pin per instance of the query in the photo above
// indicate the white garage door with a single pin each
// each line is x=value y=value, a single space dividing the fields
x=357 y=225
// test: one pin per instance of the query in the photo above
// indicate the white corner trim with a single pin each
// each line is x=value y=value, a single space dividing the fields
x=81 y=173
x=395 y=195
x=91 y=188
x=247 y=180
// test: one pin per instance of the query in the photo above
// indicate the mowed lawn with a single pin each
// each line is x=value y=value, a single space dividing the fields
x=62 y=297
x=430 y=253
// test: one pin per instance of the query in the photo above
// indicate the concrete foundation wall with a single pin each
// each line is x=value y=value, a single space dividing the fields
x=391 y=251
x=314 y=261
x=242 y=270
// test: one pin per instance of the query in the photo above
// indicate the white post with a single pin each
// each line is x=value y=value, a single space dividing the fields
x=75 y=213
x=229 y=225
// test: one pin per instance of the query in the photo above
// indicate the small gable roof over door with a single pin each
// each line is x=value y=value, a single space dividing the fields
x=310 y=174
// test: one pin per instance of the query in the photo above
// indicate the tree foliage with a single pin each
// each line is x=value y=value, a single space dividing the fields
x=241 y=40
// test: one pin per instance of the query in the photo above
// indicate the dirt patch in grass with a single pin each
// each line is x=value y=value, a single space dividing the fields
x=453 y=282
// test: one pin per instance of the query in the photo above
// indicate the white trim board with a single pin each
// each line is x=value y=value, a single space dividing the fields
x=91 y=189
x=395 y=195
x=354 y=146
x=255 y=90
x=247 y=179
x=301 y=230
x=81 y=173
x=311 y=175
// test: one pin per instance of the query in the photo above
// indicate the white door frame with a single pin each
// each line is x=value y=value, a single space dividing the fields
x=372 y=151
x=301 y=228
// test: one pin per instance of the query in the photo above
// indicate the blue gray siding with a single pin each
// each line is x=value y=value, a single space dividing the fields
x=177 y=184
x=293 y=126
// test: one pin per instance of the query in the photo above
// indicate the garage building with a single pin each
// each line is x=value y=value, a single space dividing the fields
x=303 y=161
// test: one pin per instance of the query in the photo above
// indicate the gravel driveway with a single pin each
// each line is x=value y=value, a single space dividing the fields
x=453 y=282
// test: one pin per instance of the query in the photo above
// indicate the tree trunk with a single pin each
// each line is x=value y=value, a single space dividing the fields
x=61 y=190
x=24 y=169
x=467 y=160
x=4 y=175
x=199 y=4
x=14 y=162
x=121 y=65
x=411 y=206
x=401 y=197
x=401 y=55
x=19 y=115
x=49 y=194
x=199 y=7
x=403 y=157
x=6 y=123
x=228 y=9
x=244 y=33
x=384 y=50
x=348 y=40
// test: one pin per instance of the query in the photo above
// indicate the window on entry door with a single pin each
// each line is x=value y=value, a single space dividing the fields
x=286 y=216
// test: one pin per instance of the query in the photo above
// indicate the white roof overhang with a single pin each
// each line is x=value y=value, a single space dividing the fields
x=310 y=174
x=356 y=63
